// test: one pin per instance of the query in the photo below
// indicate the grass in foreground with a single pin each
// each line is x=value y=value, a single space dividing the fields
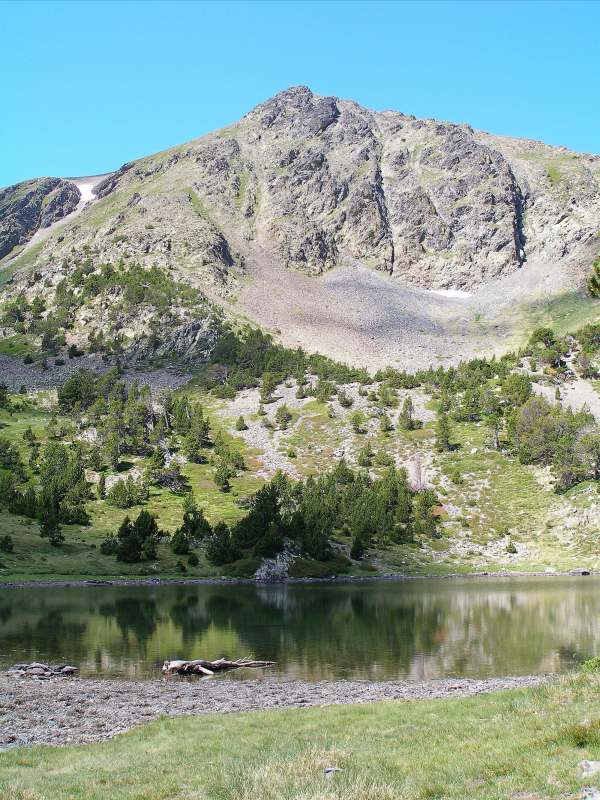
x=524 y=744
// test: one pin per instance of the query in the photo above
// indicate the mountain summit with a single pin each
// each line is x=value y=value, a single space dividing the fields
x=317 y=185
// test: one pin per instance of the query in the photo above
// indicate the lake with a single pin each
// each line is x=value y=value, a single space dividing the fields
x=377 y=630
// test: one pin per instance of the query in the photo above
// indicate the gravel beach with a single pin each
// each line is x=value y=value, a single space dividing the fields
x=61 y=711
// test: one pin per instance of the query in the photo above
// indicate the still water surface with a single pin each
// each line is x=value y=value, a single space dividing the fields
x=376 y=630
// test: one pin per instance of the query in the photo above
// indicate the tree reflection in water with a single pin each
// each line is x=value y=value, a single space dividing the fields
x=370 y=630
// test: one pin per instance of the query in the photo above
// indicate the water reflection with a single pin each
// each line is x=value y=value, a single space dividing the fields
x=418 y=629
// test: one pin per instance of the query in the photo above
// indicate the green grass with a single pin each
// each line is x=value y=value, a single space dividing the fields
x=564 y=313
x=553 y=174
x=199 y=206
x=522 y=745
x=80 y=557
x=16 y=346
x=497 y=496
x=244 y=178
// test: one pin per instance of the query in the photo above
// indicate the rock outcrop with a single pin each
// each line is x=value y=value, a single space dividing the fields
x=31 y=205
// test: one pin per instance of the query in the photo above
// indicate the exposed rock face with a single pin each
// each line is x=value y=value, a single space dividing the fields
x=308 y=183
x=314 y=181
x=29 y=206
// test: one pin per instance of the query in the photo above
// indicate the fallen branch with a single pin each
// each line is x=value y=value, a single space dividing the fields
x=200 y=666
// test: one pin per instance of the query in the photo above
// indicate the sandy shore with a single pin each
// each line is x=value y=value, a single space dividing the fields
x=63 y=711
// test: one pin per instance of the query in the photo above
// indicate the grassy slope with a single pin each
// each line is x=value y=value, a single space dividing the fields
x=497 y=494
x=525 y=744
x=34 y=558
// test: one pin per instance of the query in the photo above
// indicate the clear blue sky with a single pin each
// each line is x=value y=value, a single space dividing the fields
x=89 y=85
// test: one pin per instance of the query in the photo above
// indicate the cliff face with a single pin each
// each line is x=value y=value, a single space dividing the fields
x=309 y=183
x=31 y=205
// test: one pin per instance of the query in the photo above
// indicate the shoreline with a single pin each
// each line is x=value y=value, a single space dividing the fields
x=62 y=711
x=333 y=579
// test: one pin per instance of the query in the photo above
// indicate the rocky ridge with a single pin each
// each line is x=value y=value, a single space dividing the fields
x=317 y=181
x=310 y=183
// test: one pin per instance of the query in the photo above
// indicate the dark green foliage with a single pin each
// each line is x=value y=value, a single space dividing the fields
x=240 y=424
x=357 y=550
x=196 y=438
x=283 y=417
x=50 y=529
x=406 y=421
x=81 y=389
x=138 y=540
x=358 y=422
x=220 y=548
x=442 y=433
x=138 y=285
x=385 y=423
x=63 y=487
x=109 y=546
x=195 y=526
x=344 y=399
x=589 y=338
x=7 y=544
x=544 y=434
x=223 y=473
x=593 y=282
x=180 y=543
x=4 y=398
x=193 y=560
x=424 y=521
x=245 y=358
x=309 y=513
x=365 y=456
x=270 y=543
x=9 y=455
x=127 y=493
x=264 y=513
x=516 y=389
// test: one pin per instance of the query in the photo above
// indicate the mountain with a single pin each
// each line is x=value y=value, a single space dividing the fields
x=382 y=206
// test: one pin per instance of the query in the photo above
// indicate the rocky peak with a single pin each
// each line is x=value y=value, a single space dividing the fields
x=311 y=182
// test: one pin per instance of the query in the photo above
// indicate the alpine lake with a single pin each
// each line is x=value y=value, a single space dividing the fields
x=372 y=630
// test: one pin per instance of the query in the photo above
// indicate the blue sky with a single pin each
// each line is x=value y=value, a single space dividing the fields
x=87 y=86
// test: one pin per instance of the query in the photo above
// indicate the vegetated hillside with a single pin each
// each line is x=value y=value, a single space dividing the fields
x=271 y=462
x=304 y=184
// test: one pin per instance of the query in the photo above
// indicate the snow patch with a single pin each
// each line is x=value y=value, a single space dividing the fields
x=452 y=293
x=86 y=190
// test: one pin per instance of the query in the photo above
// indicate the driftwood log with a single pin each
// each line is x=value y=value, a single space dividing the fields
x=200 y=666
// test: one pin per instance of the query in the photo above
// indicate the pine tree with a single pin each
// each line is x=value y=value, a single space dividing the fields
x=180 y=543
x=50 y=529
x=222 y=475
x=357 y=550
x=385 y=423
x=283 y=417
x=593 y=283
x=442 y=433
x=194 y=525
x=220 y=548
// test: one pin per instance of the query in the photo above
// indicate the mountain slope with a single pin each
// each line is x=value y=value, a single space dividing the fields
x=309 y=184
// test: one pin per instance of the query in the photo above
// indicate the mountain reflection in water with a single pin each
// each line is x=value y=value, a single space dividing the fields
x=375 y=630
